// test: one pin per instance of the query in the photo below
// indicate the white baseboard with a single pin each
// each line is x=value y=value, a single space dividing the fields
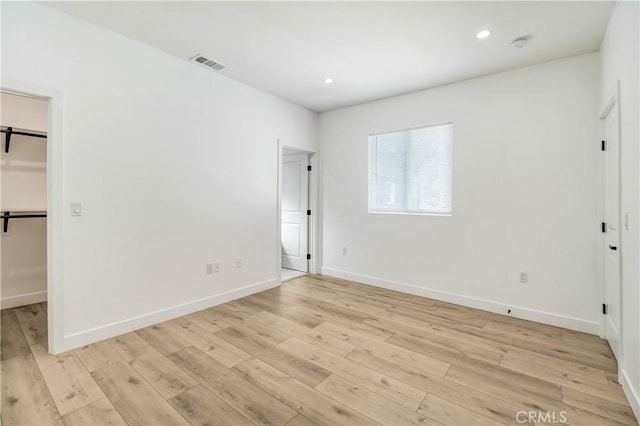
x=631 y=393
x=23 y=299
x=86 y=337
x=577 y=324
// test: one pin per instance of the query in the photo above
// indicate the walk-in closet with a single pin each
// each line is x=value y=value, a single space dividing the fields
x=23 y=203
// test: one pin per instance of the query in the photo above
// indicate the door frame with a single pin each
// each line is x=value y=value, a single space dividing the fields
x=613 y=102
x=313 y=243
x=55 y=291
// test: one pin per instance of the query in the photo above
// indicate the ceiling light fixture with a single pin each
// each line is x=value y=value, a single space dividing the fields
x=328 y=80
x=483 y=34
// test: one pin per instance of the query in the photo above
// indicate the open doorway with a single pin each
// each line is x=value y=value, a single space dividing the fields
x=23 y=203
x=296 y=213
x=37 y=162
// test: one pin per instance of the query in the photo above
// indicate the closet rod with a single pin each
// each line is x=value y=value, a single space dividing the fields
x=7 y=215
x=10 y=131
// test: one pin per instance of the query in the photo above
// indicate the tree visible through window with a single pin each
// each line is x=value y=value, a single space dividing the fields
x=411 y=171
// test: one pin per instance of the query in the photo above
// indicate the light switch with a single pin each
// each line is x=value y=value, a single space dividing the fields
x=76 y=209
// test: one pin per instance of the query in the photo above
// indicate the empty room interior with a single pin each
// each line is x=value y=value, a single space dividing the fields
x=320 y=213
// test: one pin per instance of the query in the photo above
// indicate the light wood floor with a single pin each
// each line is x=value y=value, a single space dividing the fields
x=315 y=351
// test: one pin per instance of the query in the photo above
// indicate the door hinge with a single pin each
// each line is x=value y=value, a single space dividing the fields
x=604 y=145
x=604 y=227
x=308 y=212
x=308 y=256
x=309 y=168
x=605 y=309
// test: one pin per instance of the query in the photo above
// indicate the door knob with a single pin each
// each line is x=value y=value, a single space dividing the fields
x=612 y=247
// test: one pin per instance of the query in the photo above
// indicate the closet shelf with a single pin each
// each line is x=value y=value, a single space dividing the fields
x=9 y=131
x=7 y=215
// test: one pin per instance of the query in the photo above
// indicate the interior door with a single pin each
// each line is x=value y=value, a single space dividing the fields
x=295 y=221
x=612 y=229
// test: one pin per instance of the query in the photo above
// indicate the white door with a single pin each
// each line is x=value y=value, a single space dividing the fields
x=612 y=229
x=295 y=221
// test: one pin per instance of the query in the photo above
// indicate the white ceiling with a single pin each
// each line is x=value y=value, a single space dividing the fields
x=370 y=49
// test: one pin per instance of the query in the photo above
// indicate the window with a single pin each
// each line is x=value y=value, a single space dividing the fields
x=411 y=171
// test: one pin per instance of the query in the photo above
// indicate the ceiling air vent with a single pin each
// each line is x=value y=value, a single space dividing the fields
x=206 y=62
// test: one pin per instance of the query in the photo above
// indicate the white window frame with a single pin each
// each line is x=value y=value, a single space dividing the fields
x=371 y=209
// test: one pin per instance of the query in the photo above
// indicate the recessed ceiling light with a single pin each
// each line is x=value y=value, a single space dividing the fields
x=328 y=80
x=483 y=34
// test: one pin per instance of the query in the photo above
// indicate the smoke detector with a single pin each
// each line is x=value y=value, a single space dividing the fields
x=206 y=62
x=520 y=42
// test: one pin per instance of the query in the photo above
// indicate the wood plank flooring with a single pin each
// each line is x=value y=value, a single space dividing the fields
x=315 y=351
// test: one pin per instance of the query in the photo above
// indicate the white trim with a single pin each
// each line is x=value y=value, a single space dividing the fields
x=472 y=302
x=631 y=393
x=600 y=253
x=55 y=279
x=314 y=205
x=23 y=299
x=117 y=328
x=279 y=212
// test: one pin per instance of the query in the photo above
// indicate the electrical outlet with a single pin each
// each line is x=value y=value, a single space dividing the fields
x=524 y=277
x=238 y=263
x=209 y=268
x=217 y=267
x=344 y=251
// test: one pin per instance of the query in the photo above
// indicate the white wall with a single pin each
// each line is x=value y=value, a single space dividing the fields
x=22 y=112
x=176 y=166
x=525 y=199
x=619 y=61
x=23 y=177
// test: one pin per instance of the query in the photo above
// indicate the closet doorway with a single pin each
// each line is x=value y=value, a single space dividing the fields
x=24 y=258
x=296 y=213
